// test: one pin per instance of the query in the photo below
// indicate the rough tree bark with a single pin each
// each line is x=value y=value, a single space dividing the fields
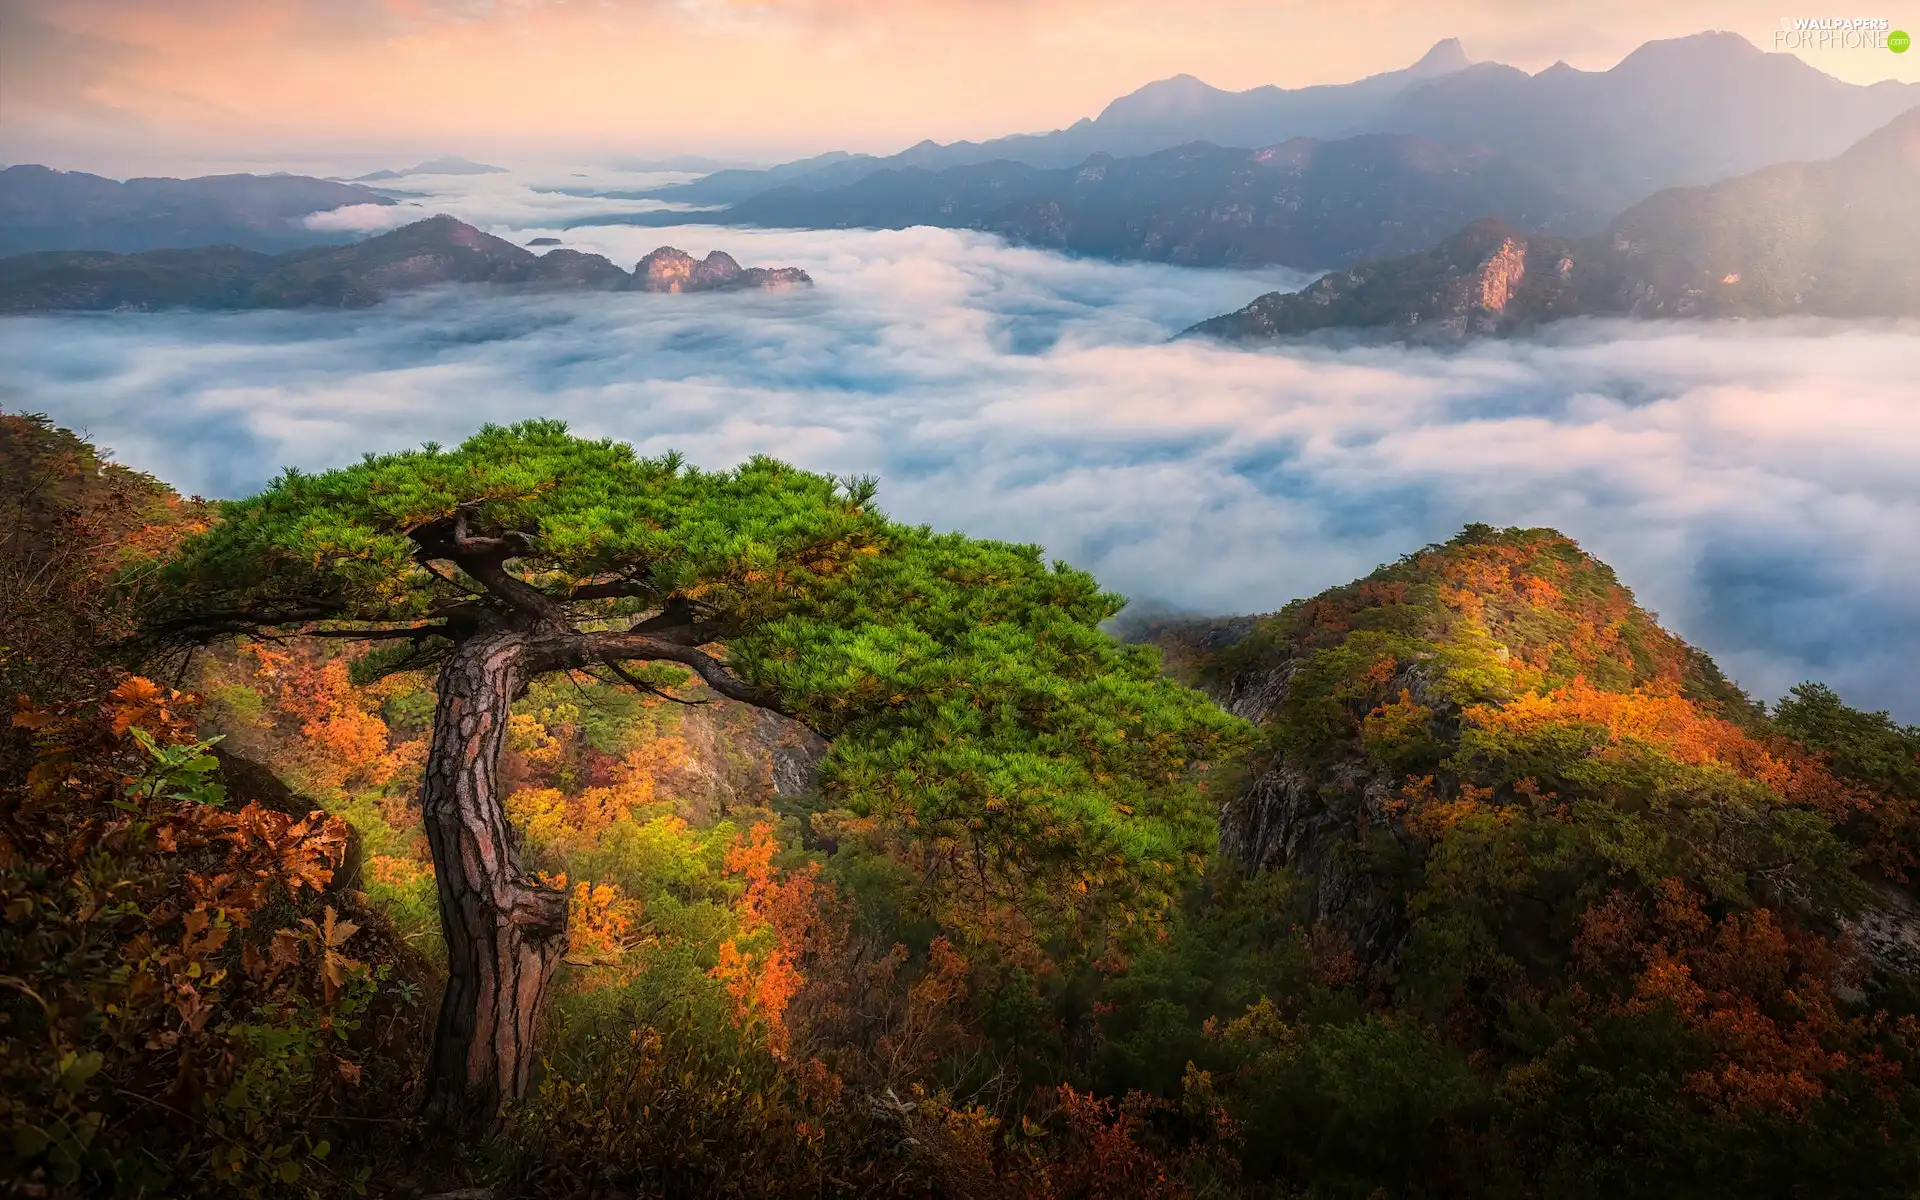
x=504 y=932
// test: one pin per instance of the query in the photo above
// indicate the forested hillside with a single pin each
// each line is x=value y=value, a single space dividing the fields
x=1512 y=893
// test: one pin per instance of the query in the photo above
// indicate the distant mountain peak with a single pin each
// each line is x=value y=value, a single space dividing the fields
x=1709 y=47
x=448 y=164
x=1447 y=55
x=1176 y=97
x=453 y=164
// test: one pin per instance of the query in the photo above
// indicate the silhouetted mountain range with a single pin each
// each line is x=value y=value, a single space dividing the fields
x=1303 y=203
x=435 y=251
x=1830 y=238
x=43 y=209
x=1159 y=116
x=1683 y=111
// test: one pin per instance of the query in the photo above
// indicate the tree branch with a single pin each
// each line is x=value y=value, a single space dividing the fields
x=615 y=589
x=417 y=633
x=484 y=560
x=641 y=685
x=584 y=649
x=256 y=620
x=505 y=546
x=449 y=580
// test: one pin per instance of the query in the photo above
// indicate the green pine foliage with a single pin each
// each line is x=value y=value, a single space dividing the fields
x=969 y=690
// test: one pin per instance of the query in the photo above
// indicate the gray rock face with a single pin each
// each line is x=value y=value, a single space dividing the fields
x=1888 y=932
x=794 y=751
x=1321 y=825
x=1305 y=824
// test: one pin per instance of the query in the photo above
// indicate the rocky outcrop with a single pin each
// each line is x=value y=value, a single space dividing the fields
x=1793 y=239
x=440 y=250
x=1887 y=931
x=671 y=270
x=1286 y=816
x=1327 y=825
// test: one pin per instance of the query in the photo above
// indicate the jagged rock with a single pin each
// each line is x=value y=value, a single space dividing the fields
x=1306 y=821
x=673 y=270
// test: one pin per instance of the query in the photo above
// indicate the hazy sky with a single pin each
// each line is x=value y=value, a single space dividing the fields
x=133 y=84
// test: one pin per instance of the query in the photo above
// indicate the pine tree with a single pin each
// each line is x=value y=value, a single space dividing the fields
x=970 y=695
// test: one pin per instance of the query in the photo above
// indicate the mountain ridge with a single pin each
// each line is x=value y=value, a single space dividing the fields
x=1672 y=112
x=1303 y=203
x=1126 y=126
x=438 y=250
x=46 y=209
x=1820 y=238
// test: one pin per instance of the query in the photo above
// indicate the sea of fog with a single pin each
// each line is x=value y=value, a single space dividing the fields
x=1757 y=485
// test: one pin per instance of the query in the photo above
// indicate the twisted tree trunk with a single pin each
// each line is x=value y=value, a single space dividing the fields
x=504 y=932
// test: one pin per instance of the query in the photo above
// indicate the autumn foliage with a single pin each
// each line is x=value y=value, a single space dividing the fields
x=1616 y=900
x=185 y=1007
x=1590 y=922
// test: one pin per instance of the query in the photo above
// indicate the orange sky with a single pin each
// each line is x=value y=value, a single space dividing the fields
x=92 y=83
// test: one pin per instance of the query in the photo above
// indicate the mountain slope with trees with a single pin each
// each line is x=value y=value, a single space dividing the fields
x=1604 y=910
x=1514 y=894
x=1812 y=238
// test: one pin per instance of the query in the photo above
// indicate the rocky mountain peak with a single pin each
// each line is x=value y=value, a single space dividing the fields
x=1365 y=688
x=1699 y=51
x=669 y=269
x=1446 y=55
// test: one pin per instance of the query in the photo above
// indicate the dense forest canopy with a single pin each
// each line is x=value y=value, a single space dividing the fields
x=1514 y=894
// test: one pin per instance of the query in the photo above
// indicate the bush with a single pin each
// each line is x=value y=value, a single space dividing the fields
x=184 y=1001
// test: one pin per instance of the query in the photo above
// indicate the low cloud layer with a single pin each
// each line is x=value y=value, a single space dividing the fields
x=1755 y=484
x=504 y=203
